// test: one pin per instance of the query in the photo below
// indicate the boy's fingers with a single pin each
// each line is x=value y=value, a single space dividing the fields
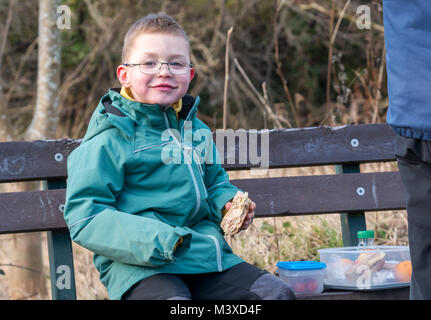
x=246 y=224
x=250 y=209
x=249 y=216
x=248 y=220
x=228 y=205
x=251 y=213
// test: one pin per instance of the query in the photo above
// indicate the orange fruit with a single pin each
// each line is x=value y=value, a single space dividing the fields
x=346 y=261
x=403 y=271
x=361 y=257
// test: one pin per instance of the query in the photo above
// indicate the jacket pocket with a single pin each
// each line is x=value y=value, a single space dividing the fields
x=159 y=145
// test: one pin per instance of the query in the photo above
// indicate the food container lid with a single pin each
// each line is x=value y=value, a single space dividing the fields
x=301 y=265
x=366 y=234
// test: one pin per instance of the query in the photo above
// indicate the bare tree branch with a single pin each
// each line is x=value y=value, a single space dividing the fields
x=319 y=8
x=226 y=79
x=262 y=100
x=6 y=30
x=276 y=28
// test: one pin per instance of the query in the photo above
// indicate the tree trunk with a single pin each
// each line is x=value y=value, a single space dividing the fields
x=28 y=281
x=45 y=116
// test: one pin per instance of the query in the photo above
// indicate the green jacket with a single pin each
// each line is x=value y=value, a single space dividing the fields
x=137 y=183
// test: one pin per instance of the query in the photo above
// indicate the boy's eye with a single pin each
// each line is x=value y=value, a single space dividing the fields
x=149 y=63
x=177 y=64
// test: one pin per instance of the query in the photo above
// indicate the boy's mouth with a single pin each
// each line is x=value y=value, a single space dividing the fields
x=164 y=87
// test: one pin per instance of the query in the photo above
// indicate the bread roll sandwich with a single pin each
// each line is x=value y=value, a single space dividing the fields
x=234 y=218
x=373 y=260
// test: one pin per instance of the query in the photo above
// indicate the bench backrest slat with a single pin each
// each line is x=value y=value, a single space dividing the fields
x=41 y=160
x=310 y=146
x=35 y=160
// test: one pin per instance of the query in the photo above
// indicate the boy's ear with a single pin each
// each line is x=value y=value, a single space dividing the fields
x=192 y=74
x=122 y=76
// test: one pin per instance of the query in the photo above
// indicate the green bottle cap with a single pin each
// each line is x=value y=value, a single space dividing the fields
x=366 y=234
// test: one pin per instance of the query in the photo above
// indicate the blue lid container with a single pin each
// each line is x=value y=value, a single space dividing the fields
x=301 y=265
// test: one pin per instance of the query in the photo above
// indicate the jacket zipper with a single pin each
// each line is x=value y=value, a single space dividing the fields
x=217 y=245
x=195 y=184
x=198 y=195
x=193 y=151
x=216 y=242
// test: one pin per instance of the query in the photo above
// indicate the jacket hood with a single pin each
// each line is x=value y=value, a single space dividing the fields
x=126 y=114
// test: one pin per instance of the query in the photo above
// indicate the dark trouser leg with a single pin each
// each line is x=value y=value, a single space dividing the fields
x=241 y=282
x=159 y=287
x=414 y=162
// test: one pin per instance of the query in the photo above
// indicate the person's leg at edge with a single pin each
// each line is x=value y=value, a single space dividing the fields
x=414 y=162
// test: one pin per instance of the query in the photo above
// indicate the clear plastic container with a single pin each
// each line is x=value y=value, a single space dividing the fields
x=366 y=268
x=304 y=277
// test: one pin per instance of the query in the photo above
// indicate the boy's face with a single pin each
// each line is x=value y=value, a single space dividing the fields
x=162 y=87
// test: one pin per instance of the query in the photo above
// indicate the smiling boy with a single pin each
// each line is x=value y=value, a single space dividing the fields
x=163 y=87
x=154 y=227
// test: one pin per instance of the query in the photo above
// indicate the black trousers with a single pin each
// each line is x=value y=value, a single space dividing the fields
x=241 y=282
x=414 y=162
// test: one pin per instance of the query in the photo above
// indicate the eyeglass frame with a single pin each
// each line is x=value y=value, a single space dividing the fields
x=160 y=68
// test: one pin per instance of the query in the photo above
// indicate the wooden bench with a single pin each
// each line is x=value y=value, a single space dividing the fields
x=349 y=192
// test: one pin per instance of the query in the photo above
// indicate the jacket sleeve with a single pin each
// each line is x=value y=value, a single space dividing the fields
x=95 y=180
x=220 y=190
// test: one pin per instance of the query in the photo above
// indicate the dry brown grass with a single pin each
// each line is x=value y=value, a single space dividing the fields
x=266 y=242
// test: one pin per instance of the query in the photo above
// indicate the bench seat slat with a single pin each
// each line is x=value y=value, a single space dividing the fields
x=274 y=196
x=325 y=193
x=32 y=211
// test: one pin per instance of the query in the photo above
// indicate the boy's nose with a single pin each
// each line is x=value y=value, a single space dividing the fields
x=164 y=69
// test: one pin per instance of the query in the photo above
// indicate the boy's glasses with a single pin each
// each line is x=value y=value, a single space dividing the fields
x=153 y=67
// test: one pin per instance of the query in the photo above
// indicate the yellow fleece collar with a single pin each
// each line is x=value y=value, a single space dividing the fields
x=178 y=105
x=126 y=93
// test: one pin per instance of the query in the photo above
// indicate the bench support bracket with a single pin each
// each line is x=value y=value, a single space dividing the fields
x=61 y=268
x=351 y=222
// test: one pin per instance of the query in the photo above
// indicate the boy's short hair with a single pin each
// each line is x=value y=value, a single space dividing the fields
x=152 y=23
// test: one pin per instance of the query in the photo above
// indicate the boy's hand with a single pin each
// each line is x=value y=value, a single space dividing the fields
x=250 y=215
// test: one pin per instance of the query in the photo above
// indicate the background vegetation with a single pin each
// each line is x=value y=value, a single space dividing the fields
x=293 y=63
x=275 y=43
